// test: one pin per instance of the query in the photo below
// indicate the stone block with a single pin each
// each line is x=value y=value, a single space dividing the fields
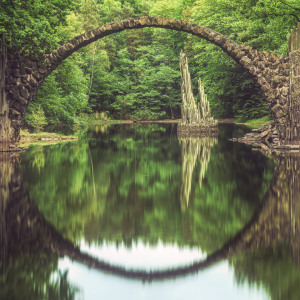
x=172 y=22
x=11 y=96
x=15 y=90
x=37 y=76
x=24 y=79
x=220 y=40
x=266 y=87
x=166 y=22
x=131 y=23
x=61 y=51
x=24 y=93
x=10 y=80
x=273 y=57
x=42 y=71
x=284 y=91
x=186 y=26
x=28 y=70
x=69 y=46
x=22 y=70
x=203 y=31
x=22 y=100
x=33 y=82
x=16 y=123
x=19 y=107
x=251 y=55
x=246 y=62
x=195 y=29
x=7 y=71
x=15 y=73
x=75 y=43
x=143 y=20
x=125 y=23
x=240 y=54
x=14 y=112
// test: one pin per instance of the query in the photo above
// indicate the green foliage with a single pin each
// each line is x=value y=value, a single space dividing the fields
x=37 y=118
x=63 y=95
x=271 y=267
x=35 y=276
x=32 y=24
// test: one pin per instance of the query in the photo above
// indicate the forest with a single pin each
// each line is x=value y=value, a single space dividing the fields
x=135 y=74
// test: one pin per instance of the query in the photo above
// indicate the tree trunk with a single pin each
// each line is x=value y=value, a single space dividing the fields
x=4 y=107
x=92 y=75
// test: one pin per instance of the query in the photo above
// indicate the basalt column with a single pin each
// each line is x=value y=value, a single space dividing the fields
x=195 y=117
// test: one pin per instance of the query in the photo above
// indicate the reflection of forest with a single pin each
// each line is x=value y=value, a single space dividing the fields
x=124 y=185
x=26 y=272
x=193 y=150
x=271 y=237
x=277 y=228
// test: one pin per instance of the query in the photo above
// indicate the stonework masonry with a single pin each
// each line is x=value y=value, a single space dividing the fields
x=278 y=77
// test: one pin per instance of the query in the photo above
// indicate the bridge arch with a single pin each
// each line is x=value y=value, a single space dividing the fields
x=24 y=75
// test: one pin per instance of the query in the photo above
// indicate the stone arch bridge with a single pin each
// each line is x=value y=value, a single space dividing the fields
x=278 y=77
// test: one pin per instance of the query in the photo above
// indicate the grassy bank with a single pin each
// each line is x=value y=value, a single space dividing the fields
x=260 y=121
x=44 y=136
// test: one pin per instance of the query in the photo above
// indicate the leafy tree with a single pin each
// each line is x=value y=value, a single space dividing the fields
x=37 y=118
x=32 y=24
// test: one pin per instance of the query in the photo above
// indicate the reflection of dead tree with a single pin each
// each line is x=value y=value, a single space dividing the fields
x=193 y=149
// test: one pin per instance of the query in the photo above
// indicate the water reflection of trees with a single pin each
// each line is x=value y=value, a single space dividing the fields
x=137 y=173
x=34 y=275
x=268 y=238
x=272 y=242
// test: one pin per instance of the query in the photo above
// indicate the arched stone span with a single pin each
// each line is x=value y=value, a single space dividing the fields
x=24 y=75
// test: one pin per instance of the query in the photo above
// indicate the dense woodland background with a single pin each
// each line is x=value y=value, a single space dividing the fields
x=135 y=74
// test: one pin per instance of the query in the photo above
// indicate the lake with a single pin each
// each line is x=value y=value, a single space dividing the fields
x=133 y=211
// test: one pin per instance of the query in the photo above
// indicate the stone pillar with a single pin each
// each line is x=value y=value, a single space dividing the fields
x=4 y=107
x=293 y=120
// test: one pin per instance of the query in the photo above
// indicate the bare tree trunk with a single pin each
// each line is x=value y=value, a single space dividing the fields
x=4 y=107
x=171 y=105
x=93 y=64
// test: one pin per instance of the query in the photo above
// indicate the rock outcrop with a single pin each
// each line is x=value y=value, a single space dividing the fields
x=196 y=117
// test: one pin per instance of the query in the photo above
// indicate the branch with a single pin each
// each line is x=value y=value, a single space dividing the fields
x=296 y=8
x=281 y=15
x=295 y=17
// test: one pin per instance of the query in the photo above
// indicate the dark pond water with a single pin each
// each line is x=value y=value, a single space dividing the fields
x=135 y=212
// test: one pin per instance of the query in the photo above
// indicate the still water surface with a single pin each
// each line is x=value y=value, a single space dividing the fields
x=140 y=198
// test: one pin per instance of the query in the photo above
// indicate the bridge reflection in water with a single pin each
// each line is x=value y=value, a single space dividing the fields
x=24 y=228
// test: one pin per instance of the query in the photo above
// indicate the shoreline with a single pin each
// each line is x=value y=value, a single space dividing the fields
x=224 y=121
